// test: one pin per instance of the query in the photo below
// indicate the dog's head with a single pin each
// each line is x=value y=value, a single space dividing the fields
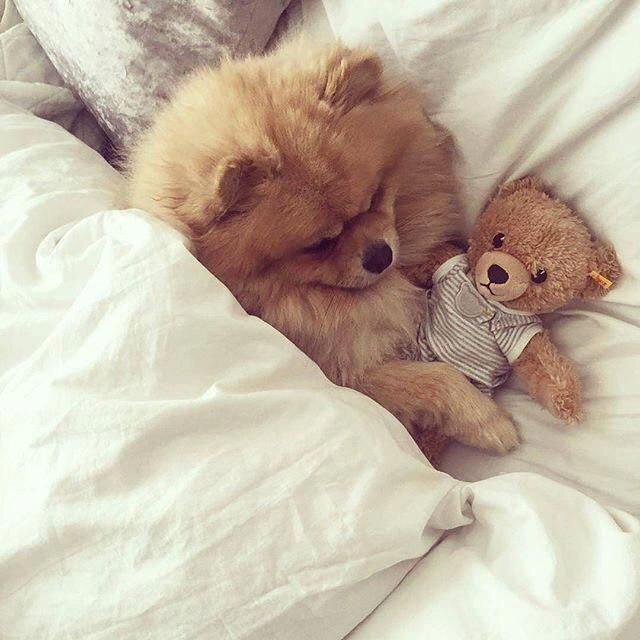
x=316 y=209
x=287 y=166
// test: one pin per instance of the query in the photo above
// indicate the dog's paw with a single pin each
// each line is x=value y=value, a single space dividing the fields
x=481 y=423
x=501 y=435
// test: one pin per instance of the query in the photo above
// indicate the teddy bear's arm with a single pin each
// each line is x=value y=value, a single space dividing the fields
x=421 y=274
x=550 y=378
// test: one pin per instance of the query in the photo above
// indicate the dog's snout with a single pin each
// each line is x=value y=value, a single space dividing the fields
x=497 y=275
x=377 y=257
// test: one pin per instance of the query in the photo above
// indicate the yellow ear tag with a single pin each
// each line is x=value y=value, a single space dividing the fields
x=600 y=279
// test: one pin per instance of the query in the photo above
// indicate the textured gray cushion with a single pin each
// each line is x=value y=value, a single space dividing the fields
x=123 y=57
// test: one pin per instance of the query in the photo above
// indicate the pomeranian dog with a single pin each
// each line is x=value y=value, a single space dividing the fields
x=310 y=185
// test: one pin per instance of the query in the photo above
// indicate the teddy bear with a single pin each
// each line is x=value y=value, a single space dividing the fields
x=529 y=254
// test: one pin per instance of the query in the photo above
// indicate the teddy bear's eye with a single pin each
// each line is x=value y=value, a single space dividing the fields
x=539 y=276
x=498 y=240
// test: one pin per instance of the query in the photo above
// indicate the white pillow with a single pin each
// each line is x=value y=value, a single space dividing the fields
x=124 y=57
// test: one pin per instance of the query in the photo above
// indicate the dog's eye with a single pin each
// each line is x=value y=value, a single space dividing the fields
x=498 y=240
x=325 y=244
x=376 y=199
x=539 y=276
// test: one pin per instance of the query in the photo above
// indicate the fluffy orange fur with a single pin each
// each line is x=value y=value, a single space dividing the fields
x=290 y=171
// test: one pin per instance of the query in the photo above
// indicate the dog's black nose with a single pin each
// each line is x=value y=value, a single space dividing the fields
x=377 y=257
x=497 y=275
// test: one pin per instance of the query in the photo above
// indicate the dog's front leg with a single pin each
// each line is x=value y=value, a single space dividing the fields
x=436 y=395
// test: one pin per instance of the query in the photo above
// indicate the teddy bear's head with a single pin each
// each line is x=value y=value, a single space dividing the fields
x=530 y=252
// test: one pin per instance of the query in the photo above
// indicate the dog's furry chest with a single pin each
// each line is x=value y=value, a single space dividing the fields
x=349 y=332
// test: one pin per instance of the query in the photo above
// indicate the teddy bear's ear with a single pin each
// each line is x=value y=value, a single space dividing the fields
x=603 y=267
x=528 y=182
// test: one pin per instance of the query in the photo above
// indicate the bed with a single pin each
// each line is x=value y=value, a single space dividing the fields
x=173 y=468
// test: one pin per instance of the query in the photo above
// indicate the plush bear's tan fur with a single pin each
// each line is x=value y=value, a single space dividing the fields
x=540 y=232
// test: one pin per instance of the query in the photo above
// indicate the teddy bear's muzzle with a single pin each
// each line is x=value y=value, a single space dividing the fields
x=501 y=277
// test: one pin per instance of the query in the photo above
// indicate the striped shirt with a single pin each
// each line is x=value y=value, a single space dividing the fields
x=479 y=337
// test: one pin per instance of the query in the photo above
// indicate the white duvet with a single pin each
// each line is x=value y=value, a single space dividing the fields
x=173 y=468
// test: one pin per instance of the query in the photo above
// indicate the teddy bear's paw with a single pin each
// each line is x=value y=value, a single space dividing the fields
x=566 y=405
x=563 y=397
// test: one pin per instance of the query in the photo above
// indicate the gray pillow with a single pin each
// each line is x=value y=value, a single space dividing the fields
x=123 y=57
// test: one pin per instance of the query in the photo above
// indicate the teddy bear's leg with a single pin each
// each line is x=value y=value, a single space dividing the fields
x=550 y=378
x=437 y=396
x=421 y=274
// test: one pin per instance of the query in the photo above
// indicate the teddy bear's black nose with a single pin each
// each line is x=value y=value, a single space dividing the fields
x=377 y=257
x=497 y=275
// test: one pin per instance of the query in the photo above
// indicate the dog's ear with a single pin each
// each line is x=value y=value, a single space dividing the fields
x=236 y=181
x=603 y=268
x=351 y=76
x=229 y=178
